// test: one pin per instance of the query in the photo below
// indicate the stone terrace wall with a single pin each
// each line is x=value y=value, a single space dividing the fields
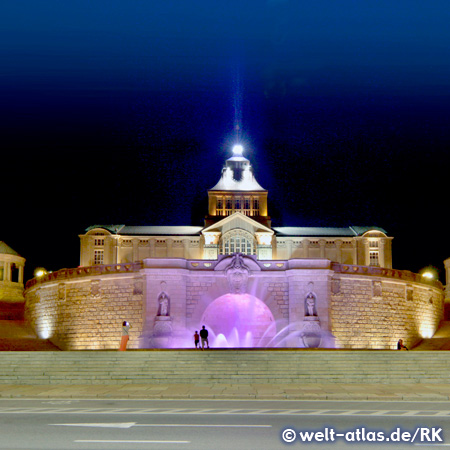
x=369 y=311
x=85 y=311
x=368 y=307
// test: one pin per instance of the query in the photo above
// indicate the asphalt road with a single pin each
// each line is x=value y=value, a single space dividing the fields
x=221 y=424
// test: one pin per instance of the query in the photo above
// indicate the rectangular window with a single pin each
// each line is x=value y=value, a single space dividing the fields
x=228 y=206
x=98 y=242
x=256 y=206
x=98 y=257
x=237 y=204
x=220 y=206
x=373 y=259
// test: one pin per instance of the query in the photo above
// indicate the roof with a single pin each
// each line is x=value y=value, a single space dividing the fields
x=5 y=249
x=162 y=230
x=150 y=230
x=325 y=231
x=237 y=175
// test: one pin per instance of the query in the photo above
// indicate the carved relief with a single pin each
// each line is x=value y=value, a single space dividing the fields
x=335 y=286
x=237 y=274
x=138 y=288
x=95 y=288
x=409 y=294
x=61 y=291
x=377 y=288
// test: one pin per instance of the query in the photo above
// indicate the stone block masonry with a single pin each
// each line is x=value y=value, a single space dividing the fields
x=362 y=307
x=87 y=313
x=369 y=312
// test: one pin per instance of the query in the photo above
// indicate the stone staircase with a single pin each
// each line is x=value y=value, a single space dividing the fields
x=17 y=335
x=224 y=366
x=440 y=340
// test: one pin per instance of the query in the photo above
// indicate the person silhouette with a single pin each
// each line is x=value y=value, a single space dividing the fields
x=204 y=337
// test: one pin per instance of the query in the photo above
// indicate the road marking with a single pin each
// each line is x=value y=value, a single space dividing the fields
x=200 y=425
x=224 y=411
x=99 y=441
x=134 y=424
x=100 y=425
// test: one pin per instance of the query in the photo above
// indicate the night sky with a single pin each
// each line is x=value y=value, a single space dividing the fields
x=125 y=111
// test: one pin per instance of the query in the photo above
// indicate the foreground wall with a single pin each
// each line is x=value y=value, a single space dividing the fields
x=84 y=308
x=166 y=300
x=374 y=307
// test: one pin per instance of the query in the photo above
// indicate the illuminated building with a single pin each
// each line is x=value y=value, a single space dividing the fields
x=252 y=284
x=237 y=221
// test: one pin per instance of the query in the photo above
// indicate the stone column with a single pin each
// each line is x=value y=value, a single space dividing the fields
x=305 y=248
x=355 y=251
x=186 y=243
x=21 y=274
x=338 y=244
x=381 y=255
x=322 y=244
x=289 y=248
x=151 y=244
x=169 y=244
x=366 y=253
x=135 y=254
x=116 y=252
x=7 y=276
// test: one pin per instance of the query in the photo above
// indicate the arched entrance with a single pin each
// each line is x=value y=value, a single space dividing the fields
x=239 y=320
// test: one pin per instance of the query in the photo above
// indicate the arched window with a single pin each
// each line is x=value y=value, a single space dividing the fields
x=237 y=241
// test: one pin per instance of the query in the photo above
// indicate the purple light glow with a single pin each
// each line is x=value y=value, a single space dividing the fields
x=239 y=320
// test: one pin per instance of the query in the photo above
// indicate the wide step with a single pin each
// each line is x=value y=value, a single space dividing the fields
x=233 y=367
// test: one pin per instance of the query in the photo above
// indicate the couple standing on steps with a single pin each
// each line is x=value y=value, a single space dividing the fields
x=203 y=336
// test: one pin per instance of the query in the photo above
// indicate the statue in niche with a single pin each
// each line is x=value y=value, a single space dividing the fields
x=237 y=274
x=163 y=302
x=310 y=305
x=311 y=302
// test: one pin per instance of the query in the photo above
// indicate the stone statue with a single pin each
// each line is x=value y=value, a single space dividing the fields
x=163 y=300
x=310 y=305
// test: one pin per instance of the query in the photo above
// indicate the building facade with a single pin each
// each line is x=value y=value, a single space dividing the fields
x=237 y=222
x=11 y=274
x=251 y=284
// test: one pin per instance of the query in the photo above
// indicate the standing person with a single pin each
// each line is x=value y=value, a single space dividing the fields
x=125 y=336
x=204 y=337
x=196 y=339
x=400 y=345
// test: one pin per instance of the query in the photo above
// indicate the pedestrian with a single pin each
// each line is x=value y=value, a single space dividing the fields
x=196 y=339
x=400 y=345
x=125 y=337
x=204 y=337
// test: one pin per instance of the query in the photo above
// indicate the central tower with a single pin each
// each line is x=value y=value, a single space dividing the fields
x=237 y=191
x=237 y=220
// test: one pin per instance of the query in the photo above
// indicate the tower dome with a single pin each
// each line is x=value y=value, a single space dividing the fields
x=237 y=191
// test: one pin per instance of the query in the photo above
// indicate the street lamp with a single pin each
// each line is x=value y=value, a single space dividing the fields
x=429 y=273
x=39 y=272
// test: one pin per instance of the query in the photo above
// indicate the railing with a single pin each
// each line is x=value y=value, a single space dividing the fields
x=404 y=275
x=87 y=271
x=84 y=271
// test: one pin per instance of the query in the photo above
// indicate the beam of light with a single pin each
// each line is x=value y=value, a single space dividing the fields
x=237 y=103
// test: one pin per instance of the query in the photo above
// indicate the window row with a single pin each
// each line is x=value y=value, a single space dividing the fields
x=247 y=205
